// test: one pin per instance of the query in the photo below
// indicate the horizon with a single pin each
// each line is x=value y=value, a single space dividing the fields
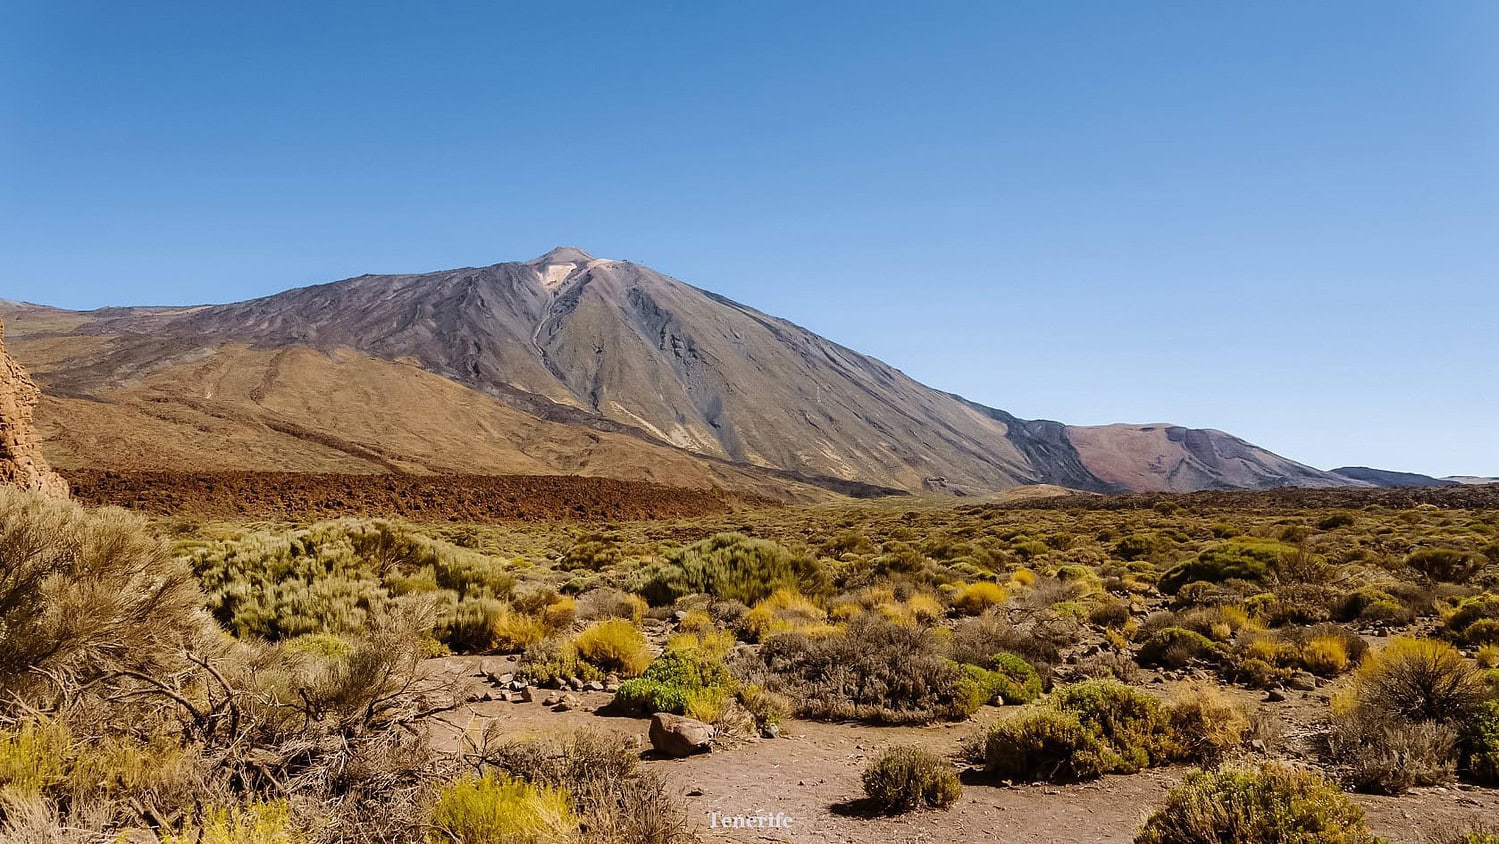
x=1276 y=222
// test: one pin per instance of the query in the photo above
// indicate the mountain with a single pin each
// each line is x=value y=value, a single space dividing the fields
x=565 y=363
x=1387 y=478
x=1471 y=480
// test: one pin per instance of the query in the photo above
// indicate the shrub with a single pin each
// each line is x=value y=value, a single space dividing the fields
x=1205 y=725
x=1389 y=755
x=1487 y=656
x=873 y=670
x=905 y=778
x=731 y=566
x=84 y=594
x=1141 y=546
x=249 y=823
x=1081 y=732
x=1447 y=565
x=614 y=646
x=1268 y=804
x=974 y=598
x=34 y=756
x=1237 y=559
x=1325 y=655
x=614 y=799
x=1480 y=744
x=675 y=681
x=1176 y=647
x=1419 y=680
x=1017 y=681
x=1476 y=619
x=502 y=810
x=784 y=610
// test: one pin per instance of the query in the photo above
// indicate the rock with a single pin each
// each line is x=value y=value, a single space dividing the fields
x=1274 y=696
x=770 y=731
x=1302 y=682
x=552 y=699
x=528 y=694
x=504 y=679
x=568 y=703
x=503 y=697
x=611 y=687
x=594 y=686
x=679 y=616
x=678 y=736
x=21 y=461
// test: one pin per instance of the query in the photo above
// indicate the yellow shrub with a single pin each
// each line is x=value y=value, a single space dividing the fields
x=1220 y=631
x=897 y=613
x=974 y=598
x=707 y=705
x=34 y=756
x=1234 y=616
x=502 y=810
x=846 y=611
x=118 y=764
x=514 y=631
x=559 y=613
x=1271 y=650
x=249 y=823
x=785 y=609
x=1325 y=655
x=925 y=607
x=614 y=645
x=1487 y=656
x=713 y=644
x=1023 y=577
x=696 y=621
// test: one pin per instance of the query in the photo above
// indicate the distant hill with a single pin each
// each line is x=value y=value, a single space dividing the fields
x=1470 y=479
x=564 y=364
x=1387 y=478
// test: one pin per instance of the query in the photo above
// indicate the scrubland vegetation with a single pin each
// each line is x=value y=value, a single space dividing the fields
x=220 y=682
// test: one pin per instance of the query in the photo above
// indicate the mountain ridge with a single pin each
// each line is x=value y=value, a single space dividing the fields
x=616 y=348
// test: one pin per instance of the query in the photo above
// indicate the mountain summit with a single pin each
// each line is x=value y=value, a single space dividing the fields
x=564 y=363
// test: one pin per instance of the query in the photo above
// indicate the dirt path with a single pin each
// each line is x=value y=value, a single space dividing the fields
x=812 y=772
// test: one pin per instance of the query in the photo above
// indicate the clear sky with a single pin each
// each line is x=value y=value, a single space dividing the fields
x=1280 y=219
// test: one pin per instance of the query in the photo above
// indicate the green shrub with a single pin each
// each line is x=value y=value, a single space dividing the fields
x=497 y=809
x=1176 y=647
x=1480 y=744
x=1141 y=546
x=1268 y=804
x=873 y=670
x=731 y=567
x=672 y=681
x=34 y=756
x=1081 y=732
x=905 y=778
x=1237 y=559
x=1476 y=619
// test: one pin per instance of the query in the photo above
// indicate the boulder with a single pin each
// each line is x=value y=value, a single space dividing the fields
x=678 y=736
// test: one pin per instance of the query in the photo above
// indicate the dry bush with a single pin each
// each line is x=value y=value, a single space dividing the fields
x=902 y=779
x=84 y=596
x=1388 y=755
x=617 y=800
x=874 y=670
x=1205 y=725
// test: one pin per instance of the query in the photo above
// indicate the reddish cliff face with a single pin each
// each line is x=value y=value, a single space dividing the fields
x=21 y=461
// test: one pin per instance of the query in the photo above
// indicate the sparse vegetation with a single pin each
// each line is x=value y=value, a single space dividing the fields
x=905 y=778
x=1269 y=804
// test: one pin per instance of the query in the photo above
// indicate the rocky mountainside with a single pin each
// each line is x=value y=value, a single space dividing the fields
x=1387 y=478
x=506 y=367
x=21 y=460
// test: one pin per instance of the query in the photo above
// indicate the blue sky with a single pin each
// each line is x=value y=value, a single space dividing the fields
x=1280 y=219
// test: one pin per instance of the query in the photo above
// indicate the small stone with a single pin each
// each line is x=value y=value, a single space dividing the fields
x=770 y=731
x=527 y=694
x=567 y=703
x=1302 y=682
x=1274 y=696
x=611 y=687
x=594 y=686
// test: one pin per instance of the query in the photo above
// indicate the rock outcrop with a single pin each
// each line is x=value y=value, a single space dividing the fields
x=21 y=461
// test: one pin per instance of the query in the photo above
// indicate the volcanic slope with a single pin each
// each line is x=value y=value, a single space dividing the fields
x=565 y=364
